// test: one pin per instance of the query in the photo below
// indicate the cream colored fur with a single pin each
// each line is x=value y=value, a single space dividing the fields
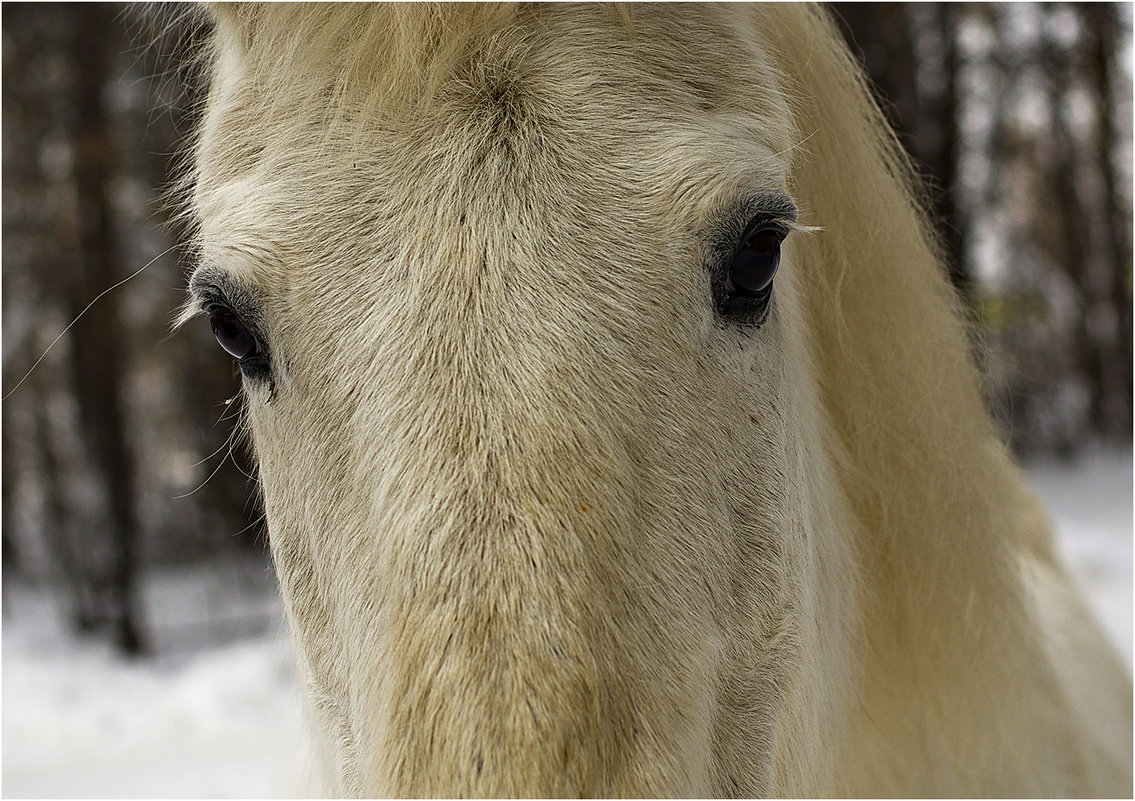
x=545 y=524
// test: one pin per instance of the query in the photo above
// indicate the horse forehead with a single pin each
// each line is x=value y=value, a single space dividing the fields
x=541 y=123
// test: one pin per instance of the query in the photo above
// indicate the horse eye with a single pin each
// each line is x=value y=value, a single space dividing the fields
x=755 y=263
x=231 y=333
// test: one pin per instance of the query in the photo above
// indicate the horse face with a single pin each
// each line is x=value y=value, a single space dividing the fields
x=531 y=421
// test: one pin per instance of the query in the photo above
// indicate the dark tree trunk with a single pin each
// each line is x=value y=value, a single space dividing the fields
x=916 y=87
x=1102 y=26
x=1073 y=246
x=99 y=335
x=879 y=35
x=940 y=128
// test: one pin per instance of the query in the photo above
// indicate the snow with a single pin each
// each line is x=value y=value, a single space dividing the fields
x=212 y=722
x=1091 y=506
x=223 y=721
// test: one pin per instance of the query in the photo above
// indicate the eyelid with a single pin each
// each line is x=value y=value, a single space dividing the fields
x=208 y=282
x=782 y=227
x=208 y=298
x=210 y=286
x=780 y=207
x=785 y=217
x=770 y=209
x=748 y=214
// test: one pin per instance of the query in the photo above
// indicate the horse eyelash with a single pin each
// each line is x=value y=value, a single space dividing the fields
x=201 y=297
x=800 y=228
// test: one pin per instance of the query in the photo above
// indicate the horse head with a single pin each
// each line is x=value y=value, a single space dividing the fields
x=615 y=423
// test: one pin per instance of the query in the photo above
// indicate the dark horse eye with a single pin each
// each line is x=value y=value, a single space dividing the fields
x=231 y=333
x=754 y=265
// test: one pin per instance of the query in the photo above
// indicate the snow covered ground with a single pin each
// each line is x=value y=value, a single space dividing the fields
x=197 y=722
x=1091 y=506
x=223 y=721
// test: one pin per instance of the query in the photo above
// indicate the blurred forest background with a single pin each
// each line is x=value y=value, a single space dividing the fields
x=118 y=451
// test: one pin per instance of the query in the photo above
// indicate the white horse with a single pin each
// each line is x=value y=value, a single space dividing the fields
x=568 y=496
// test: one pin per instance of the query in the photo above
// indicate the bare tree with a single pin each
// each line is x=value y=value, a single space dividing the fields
x=99 y=341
